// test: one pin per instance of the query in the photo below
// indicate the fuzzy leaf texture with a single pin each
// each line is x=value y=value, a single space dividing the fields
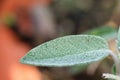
x=68 y=51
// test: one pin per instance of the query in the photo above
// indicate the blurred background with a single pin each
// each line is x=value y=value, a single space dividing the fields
x=25 y=24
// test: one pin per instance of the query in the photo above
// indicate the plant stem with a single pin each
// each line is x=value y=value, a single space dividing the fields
x=116 y=61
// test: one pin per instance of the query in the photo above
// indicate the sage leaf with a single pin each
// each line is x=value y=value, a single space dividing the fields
x=68 y=51
x=111 y=76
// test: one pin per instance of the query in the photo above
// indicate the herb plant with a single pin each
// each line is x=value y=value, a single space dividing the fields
x=74 y=50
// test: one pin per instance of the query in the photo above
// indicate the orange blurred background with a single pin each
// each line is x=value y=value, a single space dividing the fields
x=11 y=47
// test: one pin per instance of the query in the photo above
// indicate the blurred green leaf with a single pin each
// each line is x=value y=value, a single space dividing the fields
x=9 y=20
x=104 y=31
x=77 y=69
x=113 y=69
x=118 y=38
x=68 y=51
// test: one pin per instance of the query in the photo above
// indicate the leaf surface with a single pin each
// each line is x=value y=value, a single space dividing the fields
x=68 y=51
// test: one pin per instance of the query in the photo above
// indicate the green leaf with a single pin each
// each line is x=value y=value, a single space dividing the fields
x=119 y=38
x=114 y=70
x=77 y=69
x=106 y=32
x=68 y=51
